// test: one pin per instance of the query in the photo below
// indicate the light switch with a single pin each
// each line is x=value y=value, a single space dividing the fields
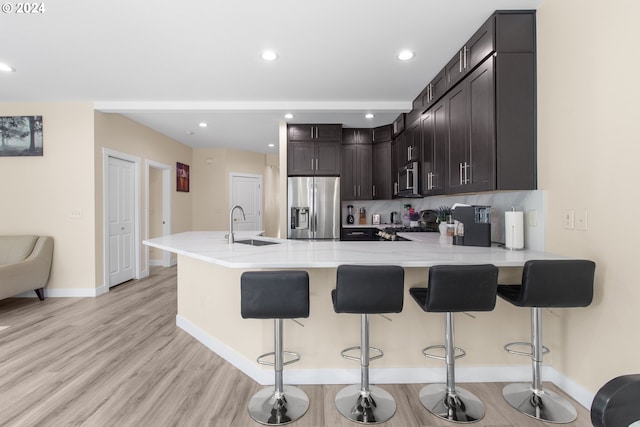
x=568 y=219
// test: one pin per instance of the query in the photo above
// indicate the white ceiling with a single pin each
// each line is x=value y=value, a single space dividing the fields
x=171 y=65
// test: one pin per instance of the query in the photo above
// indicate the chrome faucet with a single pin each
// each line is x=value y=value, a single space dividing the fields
x=244 y=218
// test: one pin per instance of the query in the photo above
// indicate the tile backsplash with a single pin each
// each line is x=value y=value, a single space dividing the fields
x=530 y=202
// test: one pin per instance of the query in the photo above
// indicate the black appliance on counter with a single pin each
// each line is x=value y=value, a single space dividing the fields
x=429 y=220
x=472 y=225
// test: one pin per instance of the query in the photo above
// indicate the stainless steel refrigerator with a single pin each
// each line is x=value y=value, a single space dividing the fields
x=314 y=207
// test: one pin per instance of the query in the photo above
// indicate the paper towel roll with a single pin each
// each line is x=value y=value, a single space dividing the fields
x=513 y=230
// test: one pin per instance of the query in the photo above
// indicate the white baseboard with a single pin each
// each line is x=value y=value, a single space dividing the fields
x=67 y=293
x=386 y=375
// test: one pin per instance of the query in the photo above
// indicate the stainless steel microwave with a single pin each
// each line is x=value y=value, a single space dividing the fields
x=408 y=181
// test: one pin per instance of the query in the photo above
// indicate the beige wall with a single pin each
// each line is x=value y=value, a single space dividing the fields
x=116 y=132
x=210 y=185
x=588 y=150
x=38 y=194
x=155 y=210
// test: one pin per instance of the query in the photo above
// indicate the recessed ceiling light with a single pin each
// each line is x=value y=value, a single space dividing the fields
x=406 y=55
x=288 y=116
x=202 y=124
x=6 y=68
x=269 y=55
x=272 y=145
x=368 y=116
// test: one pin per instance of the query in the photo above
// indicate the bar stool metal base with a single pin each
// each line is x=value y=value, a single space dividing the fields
x=372 y=407
x=545 y=405
x=271 y=408
x=461 y=407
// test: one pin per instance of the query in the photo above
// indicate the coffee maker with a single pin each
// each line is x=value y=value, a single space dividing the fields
x=472 y=225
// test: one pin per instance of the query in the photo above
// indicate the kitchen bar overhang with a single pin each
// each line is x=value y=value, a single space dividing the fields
x=209 y=272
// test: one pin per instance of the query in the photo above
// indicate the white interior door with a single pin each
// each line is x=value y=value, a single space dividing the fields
x=246 y=191
x=120 y=220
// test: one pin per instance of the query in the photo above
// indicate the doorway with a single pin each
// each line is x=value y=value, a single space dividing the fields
x=246 y=191
x=121 y=217
x=158 y=211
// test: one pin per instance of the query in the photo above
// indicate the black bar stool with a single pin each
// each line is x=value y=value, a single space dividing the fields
x=367 y=290
x=276 y=295
x=617 y=402
x=455 y=288
x=545 y=283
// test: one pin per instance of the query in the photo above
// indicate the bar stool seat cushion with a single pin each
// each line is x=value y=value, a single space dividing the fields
x=368 y=289
x=552 y=283
x=455 y=288
x=617 y=403
x=274 y=294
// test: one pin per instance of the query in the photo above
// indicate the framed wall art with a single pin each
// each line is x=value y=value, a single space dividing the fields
x=182 y=176
x=20 y=136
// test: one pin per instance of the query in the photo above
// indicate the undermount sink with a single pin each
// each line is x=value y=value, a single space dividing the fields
x=254 y=242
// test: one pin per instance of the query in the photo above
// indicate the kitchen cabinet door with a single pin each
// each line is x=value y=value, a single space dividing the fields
x=440 y=146
x=328 y=158
x=434 y=138
x=301 y=158
x=356 y=177
x=329 y=132
x=435 y=89
x=311 y=132
x=382 y=178
x=482 y=138
x=357 y=136
x=458 y=138
x=479 y=46
x=398 y=125
x=382 y=134
x=471 y=154
x=307 y=158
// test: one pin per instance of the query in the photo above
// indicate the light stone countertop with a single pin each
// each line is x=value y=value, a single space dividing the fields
x=426 y=250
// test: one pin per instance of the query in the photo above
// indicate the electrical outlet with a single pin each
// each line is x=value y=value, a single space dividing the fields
x=75 y=214
x=581 y=220
x=532 y=218
x=568 y=219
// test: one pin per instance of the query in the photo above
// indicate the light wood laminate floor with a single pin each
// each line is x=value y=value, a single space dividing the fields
x=120 y=360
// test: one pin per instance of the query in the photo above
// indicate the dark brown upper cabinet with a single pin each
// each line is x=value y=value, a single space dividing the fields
x=314 y=150
x=382 y=173
x=382 y=134
x=398 y=125
x=474 y=51
x=357 y=136
x=356 y=177
x=320 y=132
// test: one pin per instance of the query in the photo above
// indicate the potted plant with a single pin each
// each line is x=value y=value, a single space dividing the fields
x=444 y=214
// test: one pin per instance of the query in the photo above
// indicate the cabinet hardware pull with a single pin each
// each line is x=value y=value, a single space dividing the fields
x=465 y=57
x=395 y=188
x=312 y=163
x=461 y=181
x=355 y=193
x=373 y=190
x=460 y=61
x=317 y=165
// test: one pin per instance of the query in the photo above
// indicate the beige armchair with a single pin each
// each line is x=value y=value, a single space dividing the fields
x=25 y=264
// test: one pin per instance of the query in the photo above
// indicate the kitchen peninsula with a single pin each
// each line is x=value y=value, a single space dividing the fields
x=209 y=271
